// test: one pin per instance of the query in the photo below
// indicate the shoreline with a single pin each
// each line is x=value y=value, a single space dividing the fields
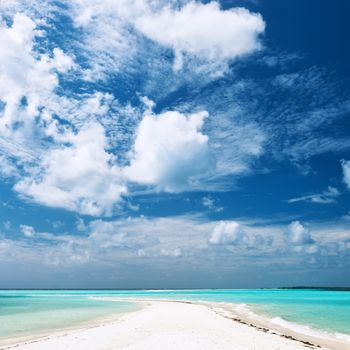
x=310 y=337
x=34 y=337
x=258 y=325
x=242 y=313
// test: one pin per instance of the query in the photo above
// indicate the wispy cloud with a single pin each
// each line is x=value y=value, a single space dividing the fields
x=346 y=172
x=326 y=197
x=211 y=204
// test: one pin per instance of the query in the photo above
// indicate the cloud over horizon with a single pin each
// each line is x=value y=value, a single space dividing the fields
x=297 y=234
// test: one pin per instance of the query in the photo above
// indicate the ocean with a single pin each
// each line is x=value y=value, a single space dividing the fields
x=26 y=312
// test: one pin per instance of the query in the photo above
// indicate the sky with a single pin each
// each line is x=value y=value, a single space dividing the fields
x=174 y=144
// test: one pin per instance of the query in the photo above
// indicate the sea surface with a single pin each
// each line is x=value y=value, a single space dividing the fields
x=24 y=312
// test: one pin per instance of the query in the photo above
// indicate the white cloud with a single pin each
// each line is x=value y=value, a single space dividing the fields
x=176 y=252
x=7 y=169
x=80 y=225
x=78 y=177
x=28 y=231
x=203 y=30
x=210 y=203
x=61 y=62
x=106 y=36
x=170 y=151
x=173 y=157
x=27 y=79
x=31 y=8
x=148 y=103
x=228 y=232
x=7 y=4
x=151 y=237
x=326 y=197
x=146 y=244
x=236 y=143
x=71 y=171
x=346 y=171
x=297 y=234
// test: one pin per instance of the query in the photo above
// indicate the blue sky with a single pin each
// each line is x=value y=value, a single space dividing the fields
x=154 y=144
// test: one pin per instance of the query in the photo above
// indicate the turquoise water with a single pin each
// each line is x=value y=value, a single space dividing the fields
x=24 y=312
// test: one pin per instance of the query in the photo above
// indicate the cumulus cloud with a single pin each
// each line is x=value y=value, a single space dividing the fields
x=297 y=234
x=203 y=30
x=80 y=177
x=326 y=197
x=228 y=232
x=170 y=151
x=346 y=171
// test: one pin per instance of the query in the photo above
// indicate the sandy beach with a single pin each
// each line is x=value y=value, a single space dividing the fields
x=173 y=325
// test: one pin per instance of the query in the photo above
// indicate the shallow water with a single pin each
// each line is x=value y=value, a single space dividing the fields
x=25 y=312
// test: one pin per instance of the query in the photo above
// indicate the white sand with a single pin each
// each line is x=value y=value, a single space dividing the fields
x=166 y=326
